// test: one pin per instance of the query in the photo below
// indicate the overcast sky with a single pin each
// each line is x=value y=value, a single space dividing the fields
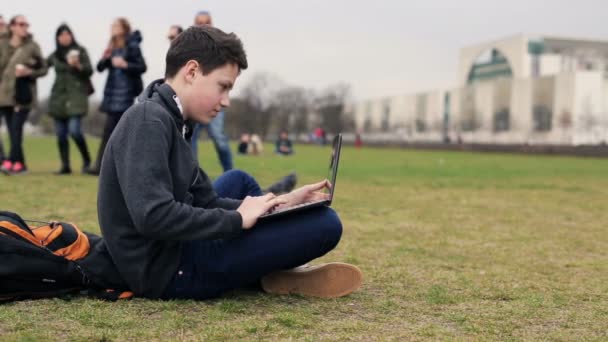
x=378 y=47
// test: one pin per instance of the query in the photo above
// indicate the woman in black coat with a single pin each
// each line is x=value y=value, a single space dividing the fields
x=125 y=64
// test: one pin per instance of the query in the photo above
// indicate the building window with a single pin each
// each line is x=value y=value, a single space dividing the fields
x=490 y=64
x=468 y=121
x=542 y=118
x=501 y=105
x=386 y=114
x=367 y=122
x=501 y=120
x=420 y=121
x=542 y=104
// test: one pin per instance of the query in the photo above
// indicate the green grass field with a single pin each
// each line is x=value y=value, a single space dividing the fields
x=454 y=246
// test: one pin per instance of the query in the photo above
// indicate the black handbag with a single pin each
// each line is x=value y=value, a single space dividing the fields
x=89 y=88
x=23 y=91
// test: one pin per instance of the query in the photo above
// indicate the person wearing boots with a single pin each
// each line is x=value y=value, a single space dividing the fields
x=68 y=103
x=21 y=63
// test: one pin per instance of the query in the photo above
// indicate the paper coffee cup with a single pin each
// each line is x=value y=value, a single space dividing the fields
x=73 y=54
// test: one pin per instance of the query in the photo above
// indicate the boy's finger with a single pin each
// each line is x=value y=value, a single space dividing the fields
x=269 y=196
x=273 y=203
x=319 y=186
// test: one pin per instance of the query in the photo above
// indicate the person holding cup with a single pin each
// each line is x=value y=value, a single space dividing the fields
x=68 y=103
x=21 y=63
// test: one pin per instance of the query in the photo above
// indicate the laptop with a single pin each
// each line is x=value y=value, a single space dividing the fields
x=333 y=173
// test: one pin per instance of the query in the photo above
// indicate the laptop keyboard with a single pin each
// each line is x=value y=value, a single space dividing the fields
x=291 y=207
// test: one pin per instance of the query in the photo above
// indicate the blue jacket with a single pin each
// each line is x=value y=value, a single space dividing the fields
x=123 y=85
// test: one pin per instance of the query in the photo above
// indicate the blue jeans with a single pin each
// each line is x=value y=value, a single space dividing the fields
x=70 y=126
x=209 y=268
x=215 y=129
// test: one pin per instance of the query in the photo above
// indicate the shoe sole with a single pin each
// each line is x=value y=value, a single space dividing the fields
x=330 y=280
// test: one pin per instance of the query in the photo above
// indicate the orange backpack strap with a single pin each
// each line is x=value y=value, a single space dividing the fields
x=13 y=226
x=110 y=294
x=63 y=239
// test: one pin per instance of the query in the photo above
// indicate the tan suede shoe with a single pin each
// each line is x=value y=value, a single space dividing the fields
x=331 y=280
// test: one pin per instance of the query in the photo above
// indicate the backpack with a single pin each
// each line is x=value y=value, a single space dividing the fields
x=52 y=260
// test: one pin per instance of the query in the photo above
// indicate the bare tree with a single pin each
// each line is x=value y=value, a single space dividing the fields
x=257 y=103
x=291 y=109
x=330 y=104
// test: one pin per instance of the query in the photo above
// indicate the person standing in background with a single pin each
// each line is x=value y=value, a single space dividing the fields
x=21 y=63
x=69 y=101
x=125 y=64
x=215 y=128
x=174 y=31
x=3 y=36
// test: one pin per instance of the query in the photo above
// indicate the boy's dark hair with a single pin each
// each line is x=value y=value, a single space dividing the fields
x=210 y=47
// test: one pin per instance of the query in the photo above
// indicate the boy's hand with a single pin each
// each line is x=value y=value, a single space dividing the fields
x=254 y=207
x=307 y=193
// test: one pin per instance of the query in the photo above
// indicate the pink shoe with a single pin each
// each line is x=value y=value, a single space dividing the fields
x=6 y=166
x=18 y=168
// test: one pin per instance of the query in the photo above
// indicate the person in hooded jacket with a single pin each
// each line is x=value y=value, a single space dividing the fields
x=68 y=103
x=125 y=64
x=21 y=63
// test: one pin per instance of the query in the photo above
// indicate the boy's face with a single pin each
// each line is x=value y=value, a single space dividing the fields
x=207 y=95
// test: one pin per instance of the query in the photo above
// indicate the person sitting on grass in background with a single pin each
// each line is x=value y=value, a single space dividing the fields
x=255 y=145
x=283 y=145
x=170 y=231
x=243 y=143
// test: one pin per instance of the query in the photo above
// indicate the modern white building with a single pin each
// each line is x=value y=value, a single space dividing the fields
x=519 y=90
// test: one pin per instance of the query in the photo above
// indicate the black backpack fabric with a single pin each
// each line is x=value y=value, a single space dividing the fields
x=41 y=267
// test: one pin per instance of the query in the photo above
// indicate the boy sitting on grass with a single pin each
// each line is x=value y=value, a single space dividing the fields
x=170 y=231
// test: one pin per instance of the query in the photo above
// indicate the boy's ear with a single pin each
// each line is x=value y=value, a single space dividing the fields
x=191 y=69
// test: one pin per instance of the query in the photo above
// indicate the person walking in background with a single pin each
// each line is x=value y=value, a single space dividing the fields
x=215 y=128
x=174 y=31
x=21 y=63
x=125 y=64
x=68 y=103
x=283 y=145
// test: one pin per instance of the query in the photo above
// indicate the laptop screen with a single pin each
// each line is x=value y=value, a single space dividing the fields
x=333 y=164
